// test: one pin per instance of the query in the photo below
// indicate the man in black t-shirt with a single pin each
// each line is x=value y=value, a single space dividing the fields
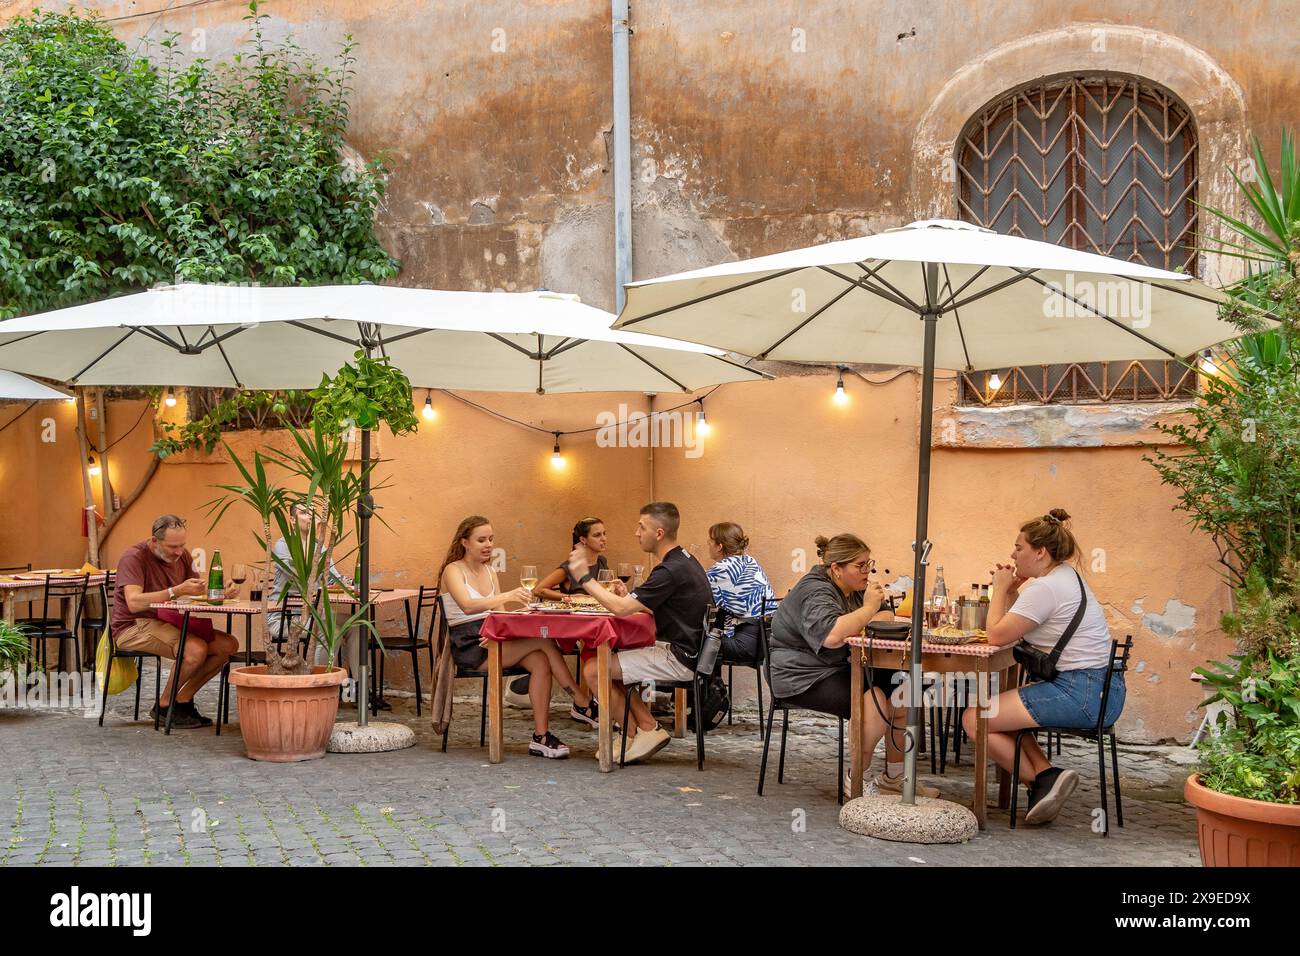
x=677 y=593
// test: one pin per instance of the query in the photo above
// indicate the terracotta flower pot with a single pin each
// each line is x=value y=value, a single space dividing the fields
x=1234 y=831
x=287 y=717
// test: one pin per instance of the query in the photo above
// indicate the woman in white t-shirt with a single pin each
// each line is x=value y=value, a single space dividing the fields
x=1034 y=599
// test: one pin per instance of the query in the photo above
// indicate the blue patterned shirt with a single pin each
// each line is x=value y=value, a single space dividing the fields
x=740 y=586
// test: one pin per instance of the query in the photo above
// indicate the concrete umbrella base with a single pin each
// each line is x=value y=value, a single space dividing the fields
x=349 y=737
x=886 y=817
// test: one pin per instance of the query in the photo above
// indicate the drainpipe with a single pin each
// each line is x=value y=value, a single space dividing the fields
x=622 y=155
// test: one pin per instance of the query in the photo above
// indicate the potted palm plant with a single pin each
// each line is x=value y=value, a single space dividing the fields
x=288 y=706
x=1235 y=474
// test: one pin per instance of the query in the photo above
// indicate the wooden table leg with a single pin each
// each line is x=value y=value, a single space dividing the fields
x=1004 y=778
x=679 y=713
x=982 y=756
x=496 y=733
x=605 y=731
x=855 y=722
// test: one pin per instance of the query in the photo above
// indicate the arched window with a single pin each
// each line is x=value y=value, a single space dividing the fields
x=1101 y=163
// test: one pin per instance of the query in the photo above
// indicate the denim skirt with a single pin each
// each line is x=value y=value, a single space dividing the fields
x=1073 y=699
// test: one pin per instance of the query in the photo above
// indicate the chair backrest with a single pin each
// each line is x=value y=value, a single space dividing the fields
x=17 y=569
x=439 y=620
x=1118 y=664
x=66 y=589
x=427 y=600
x=765 y=647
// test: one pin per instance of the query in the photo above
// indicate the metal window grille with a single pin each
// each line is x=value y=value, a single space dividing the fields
x=1103 y=164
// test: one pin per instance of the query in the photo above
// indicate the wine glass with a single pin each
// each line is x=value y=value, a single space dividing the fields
x=239 y=574
x=636 y=573
x=624 y=572
x=606 y=578
x=528 y=579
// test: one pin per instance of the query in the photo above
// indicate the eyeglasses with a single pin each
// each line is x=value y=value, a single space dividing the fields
x=864 y=567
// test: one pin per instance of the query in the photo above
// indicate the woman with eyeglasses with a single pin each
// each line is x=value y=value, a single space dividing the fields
x=810 y=658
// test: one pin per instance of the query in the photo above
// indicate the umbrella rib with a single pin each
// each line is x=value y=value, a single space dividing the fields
x=101 y=356
x=24 y=338
x=861 y=283
x=1115 y=322
x=394 y=339
x=635 y=354
x=329 y=335
x=505 y=341
x=565 y=345
x=964 y=286
x=908 y=303
x=154 y=335
x=222 y=349
x=1020 y=276
x=798 y=328
x=956 y=316
x=710 y=295
x=1178 y=291
x=744 y=368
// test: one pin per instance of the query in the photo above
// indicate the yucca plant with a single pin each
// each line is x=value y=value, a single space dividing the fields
x=327 y=486
x=15 y=646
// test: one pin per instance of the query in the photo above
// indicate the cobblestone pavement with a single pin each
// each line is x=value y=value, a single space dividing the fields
x=73 y=793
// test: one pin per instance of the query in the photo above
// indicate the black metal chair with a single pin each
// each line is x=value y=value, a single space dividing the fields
x=115 y=654
x=778 y=704
x=1118 y=664
x=439 y=621
x=703 y=671
x=93 y=625
x=412 y=643
x=50 y=627
x=732 y=663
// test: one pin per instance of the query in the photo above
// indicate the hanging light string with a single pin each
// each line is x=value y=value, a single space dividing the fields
x=575 y=431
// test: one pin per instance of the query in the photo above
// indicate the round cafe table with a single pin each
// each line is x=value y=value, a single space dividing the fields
x=601 y=631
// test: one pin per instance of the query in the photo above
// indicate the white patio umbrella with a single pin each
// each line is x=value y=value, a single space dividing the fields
x=934 y=293
x=13 y=385
x=287 y=337
x=257 y=337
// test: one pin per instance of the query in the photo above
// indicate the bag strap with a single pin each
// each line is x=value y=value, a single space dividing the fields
x=1073 y=625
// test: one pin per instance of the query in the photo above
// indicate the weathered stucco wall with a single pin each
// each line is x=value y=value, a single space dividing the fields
x=757 y=127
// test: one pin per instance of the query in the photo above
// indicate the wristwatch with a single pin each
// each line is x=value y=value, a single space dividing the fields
x=585 y=578
x=171 y=594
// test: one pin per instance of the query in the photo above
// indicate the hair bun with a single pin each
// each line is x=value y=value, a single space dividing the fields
x=822 y=543
x=1058 y=515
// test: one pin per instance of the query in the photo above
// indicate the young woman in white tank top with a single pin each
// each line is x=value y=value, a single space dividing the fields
x=470 y=590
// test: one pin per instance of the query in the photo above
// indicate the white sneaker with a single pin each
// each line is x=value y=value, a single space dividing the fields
x=548 y=745
x=888 y=784
x=515 y=699
x=869 y=787
x=646 y=744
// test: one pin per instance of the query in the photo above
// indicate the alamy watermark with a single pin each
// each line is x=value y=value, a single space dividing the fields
x=678 y=428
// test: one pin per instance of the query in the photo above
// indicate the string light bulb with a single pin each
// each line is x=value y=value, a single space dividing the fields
x=429 y=412
x=995 y=381
x=1207 y=364
x=557 y=457
x=93 y=468
x=841 y=397
x=702 y=426
x=170 y=401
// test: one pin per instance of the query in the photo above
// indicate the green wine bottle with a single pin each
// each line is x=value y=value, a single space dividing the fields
x=216 y=581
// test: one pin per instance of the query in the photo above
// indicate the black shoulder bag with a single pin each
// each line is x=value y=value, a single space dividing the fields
x=1040 y=664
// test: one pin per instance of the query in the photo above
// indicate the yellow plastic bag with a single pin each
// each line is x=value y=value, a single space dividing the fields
x=125 y=671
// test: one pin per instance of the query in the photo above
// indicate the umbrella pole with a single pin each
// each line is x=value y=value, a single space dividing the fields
x=921 y=547
x=363 y=558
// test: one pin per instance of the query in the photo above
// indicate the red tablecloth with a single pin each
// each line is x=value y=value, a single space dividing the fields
x=635 y=630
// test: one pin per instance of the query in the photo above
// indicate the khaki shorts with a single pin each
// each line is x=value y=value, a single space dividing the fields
x=150 y=636
x=652 y=664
